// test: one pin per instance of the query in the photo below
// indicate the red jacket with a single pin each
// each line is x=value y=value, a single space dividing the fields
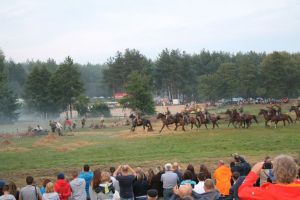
x=62 y=187
x=268 y=191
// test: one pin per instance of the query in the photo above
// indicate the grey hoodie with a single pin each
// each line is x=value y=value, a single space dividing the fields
x=212 y=195
x=78 y=189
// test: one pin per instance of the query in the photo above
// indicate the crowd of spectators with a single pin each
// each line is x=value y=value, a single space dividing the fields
x=268 y=180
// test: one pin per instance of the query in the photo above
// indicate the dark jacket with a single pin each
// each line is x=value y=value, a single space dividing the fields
x=212 y=195
x=157 y=184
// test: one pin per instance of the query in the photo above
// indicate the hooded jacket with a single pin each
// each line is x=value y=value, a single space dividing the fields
x=63 y=189
x=268 y=191
x=78 y=189
x=211 y=195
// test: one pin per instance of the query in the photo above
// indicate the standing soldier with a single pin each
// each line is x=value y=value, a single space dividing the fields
x=83 y=120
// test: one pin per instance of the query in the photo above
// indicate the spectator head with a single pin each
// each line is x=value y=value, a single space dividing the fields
x=201 y=176
x=125 y=169
x=220 y=163
x=185 y=190
x=29 y=180
x=203 y=168
x=159 y=169
x=209 y=185
x=168 y=167
x=86 y=168
x=175 y=166
x=60 y=176
x=235 y=176
x=191 y=168
x=49 y=187
x=138 y=170
x=12 y=188
x=105 y=177
x=5 y=188
x=152 y=194
x=45 y=182
x=187 y=175
x=187 y=198
x=96 y=178
x=74 y=174
x=112 y=170
x=285 y=169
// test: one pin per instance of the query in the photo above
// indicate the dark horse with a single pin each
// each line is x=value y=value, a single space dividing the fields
x=273 y=117
x=176 y=119
x=297 y=111
x=190 y=120
x=202 y=119
x=214 y=120
x=234 y=117
x=139 y=122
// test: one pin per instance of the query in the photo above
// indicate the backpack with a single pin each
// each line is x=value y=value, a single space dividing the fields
x=105 y=193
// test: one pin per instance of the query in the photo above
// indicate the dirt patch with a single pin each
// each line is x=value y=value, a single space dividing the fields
x=46 y=141
x=73 y=146
x=6 y=143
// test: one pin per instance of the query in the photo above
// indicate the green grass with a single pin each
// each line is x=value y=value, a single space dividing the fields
x=109 y=149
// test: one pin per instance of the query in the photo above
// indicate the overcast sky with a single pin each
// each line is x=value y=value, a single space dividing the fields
x=93 y=30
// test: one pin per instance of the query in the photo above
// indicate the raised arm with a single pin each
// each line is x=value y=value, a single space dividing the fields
x=132 y=171
x=117 y=171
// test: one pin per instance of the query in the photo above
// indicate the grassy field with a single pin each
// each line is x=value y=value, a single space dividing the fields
x=48 y=155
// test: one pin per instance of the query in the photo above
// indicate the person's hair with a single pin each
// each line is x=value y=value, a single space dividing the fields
x=187 y=175
x=209 y=184
x=12 y=188
x=45 y=182
x=49 y=187
x=140 y=176
x=235 y=175
x=191 y=168
x=168 y=167
x=86 y=168
x=175 y=165
x=201 y=176
x=188 y=197
x=74 y=174
x=203 y=168
x=96 y=179
x=152 y=193
x=221 y=162
x=105 y=177
x=112 y=169
x=150 y=175
x=125 y=168
x=237 y=158
x=29 y=180
x=5 y=188
x=185 y=190
x=285 y=169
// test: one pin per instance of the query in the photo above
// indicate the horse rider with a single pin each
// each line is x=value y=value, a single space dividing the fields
x=167 y=113
x=277 y=107
x=241 y=111
x=205 y=112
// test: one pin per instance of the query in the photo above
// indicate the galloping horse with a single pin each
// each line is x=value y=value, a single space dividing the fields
x=297 y=111
x=202 y=119
x=214 y=120
x=177 y=119
x=266 y=115
x=248 y=118
x=234 y=116
x=190 y=120
x=139 y=122
x=274 y=117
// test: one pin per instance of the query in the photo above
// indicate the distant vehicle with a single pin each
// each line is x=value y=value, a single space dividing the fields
x=176 y=102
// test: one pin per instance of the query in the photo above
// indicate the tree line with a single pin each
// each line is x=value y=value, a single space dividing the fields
x=48 y=87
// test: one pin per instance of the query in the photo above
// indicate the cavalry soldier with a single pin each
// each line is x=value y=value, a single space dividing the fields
x=168 y=113
x=241 y=111
x=278 y=110
x=205 y=112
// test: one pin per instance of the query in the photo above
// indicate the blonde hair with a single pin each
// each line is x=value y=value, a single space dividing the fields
x=49 y=187
x=105 y=177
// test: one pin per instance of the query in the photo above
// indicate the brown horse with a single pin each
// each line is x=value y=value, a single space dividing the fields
x=202 y=119
x=190 y=120
x=234 y=117
x=273 y=117
x=214 y=120
x=266 y=115
x=297 y=112
x=177 y=119
x=248 y=119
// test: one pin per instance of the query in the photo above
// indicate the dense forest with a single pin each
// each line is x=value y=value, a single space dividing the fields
x=174 y=74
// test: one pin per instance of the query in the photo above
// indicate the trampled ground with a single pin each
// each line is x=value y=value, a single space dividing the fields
x=48 y=155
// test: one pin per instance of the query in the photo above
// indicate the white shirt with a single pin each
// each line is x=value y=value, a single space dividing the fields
x=199 y=188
